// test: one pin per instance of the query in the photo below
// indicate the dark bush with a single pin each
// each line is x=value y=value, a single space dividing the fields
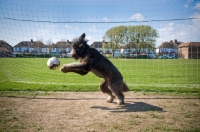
x=142 y=57
x=33 y=55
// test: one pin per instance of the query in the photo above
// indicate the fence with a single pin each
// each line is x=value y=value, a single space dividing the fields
x=32 y=31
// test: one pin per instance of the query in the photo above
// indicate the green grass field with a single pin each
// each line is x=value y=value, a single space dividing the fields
x=155 y=75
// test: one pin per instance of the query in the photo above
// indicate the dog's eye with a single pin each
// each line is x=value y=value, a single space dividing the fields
x=82 y=46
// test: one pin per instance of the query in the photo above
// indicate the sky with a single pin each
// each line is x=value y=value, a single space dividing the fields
x=56 y=20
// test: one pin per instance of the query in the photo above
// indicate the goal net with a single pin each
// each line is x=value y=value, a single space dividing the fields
x=154 y=44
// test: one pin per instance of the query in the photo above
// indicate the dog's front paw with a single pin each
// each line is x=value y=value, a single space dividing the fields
x=64 y=69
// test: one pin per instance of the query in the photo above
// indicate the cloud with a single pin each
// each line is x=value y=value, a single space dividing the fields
x=197 y=6
x=89 y=38
x=167 y=28
x=137 y=16
x=41 y=31
x=51 y=26
x=71 y=27
x=68 y=27
x=165 y=33
x=185 y=32
x=196 y=21
x=93 y=29
x=106 y=19
x=188 y=3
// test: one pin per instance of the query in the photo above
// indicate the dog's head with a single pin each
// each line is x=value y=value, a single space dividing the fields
x=79 y=47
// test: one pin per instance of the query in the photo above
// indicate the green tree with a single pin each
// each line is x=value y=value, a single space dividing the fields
x=143 y=36
x=115 y=37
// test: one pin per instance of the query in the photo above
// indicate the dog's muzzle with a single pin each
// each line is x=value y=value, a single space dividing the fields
x=74 y=55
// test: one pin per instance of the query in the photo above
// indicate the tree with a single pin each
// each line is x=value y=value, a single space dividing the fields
x=40 y=40
x=143 y=36
x=49 y=42
x=115 y=37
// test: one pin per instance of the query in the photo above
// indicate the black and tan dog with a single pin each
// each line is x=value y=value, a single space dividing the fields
x=92 y=60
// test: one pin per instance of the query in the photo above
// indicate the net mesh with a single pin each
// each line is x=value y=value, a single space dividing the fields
x=33 y=31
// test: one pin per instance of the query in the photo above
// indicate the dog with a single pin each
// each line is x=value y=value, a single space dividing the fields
x=92 y=60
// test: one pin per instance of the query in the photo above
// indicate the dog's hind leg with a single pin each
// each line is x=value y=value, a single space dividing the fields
x=104 y=88
x=116 y=90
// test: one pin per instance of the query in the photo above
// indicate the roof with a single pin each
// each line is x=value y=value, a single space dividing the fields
x=63 y=44
x=60 y=44
x=168 y=45
x=33 y=44
x=4 y=44
x=189 y=44
x=96 y=45
x=3 y=49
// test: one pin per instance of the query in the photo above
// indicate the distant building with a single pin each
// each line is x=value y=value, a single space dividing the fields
x=99 y=46
x=61 y=47
x=35 y=47
x=168 y=48
x=96 y=45
x=128 y=48
x=133 y=48
x=5 y=49
x=189 y=50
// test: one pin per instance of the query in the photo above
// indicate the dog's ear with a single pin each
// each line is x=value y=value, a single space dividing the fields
x=82 y=37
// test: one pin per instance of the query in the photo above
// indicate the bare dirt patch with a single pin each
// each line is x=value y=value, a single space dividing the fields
x=89 y=112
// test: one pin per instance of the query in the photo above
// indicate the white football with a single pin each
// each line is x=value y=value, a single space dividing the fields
x=53 y=63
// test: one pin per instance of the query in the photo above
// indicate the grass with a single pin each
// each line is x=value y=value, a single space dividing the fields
x=155 y=75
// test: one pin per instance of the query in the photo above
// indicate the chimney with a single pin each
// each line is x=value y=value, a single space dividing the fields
x=175 y=41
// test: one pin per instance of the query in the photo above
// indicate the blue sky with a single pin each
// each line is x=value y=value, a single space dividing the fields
x=55 y=20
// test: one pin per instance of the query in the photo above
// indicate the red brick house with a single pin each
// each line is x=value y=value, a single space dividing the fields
x=189 y=50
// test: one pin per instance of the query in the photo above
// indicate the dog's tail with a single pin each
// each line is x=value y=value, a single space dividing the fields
x=124 y=87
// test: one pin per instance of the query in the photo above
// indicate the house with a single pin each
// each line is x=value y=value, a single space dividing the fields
x=168 y=48
x=129 y=48
x=34 y=47
x=99 y=46
x=5 y=49
x=37 y=47
x=133 y=48
x=61 y=47
x=189 y=50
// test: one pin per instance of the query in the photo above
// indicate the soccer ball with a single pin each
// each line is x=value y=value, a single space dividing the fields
x=53 y=63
